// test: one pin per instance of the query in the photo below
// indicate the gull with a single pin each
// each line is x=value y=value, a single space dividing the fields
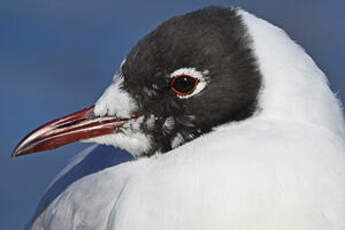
x=231 y=125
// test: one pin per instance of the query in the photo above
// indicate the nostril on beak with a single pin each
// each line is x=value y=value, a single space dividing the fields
x=66 y=125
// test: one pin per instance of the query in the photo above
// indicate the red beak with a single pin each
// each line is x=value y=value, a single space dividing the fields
x=77 y=126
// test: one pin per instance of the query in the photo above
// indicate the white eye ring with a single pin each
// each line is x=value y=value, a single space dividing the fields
x=200 y=76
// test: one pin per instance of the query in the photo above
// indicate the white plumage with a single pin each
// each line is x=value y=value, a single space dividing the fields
x=284 y=168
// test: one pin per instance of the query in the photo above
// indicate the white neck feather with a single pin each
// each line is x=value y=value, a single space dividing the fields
x=293 y=88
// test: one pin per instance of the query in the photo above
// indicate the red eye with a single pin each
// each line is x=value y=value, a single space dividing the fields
x=183 y=84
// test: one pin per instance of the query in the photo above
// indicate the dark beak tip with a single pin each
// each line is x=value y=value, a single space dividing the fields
x=19 y=150
x=16 y=153
x=13 y=155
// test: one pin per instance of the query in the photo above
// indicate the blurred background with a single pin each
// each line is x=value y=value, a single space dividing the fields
x=57 y=56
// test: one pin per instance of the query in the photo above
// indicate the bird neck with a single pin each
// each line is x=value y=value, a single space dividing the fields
x=293 y=87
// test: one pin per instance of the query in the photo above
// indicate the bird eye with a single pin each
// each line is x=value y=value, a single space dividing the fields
x=183 y=84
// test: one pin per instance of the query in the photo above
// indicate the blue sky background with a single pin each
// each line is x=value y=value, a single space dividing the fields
x=57 y=56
